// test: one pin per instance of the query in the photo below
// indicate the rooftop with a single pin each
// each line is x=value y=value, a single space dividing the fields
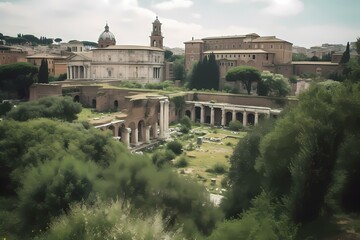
x=236 y=51
x=130 y=47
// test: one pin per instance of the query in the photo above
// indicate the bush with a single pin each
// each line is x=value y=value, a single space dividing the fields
x=160 y=157
x=182 y=162
x=4 y=108
x=186 y=122
x=175 y=146
x=235 y=125
x=218 y=168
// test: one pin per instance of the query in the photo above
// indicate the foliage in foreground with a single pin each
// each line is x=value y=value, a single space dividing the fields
x=63 y=108
x=308 y=161
x=107 y=221
x=47 y=166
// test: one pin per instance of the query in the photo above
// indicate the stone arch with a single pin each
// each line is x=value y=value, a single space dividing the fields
x=77 y=98
x=93 y=103
x=228 y=118
x=217 y=116
x=242 y=63
x=116 y=104
x=188 y=113
x=197 y=114
x=251 y=118
x=207 y=111
x=154 y=43
x=141 y=131
x=251 y=63
x=239 y=116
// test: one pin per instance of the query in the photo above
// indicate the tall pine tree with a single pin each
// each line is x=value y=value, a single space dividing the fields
x=346 y=55
x=43 y=74
x=205 y=74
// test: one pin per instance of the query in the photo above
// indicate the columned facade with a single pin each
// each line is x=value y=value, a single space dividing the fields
x=247 y=115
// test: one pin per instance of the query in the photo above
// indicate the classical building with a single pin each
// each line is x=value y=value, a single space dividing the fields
x=106 y=38
x=142 y=64
x=251 y=49
x=56 y=63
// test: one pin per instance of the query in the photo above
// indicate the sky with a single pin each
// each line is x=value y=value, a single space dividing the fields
x=304 y=23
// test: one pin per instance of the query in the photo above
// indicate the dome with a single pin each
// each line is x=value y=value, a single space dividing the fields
x=107 y=35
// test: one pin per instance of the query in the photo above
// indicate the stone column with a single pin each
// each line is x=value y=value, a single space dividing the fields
x=116 y=130
x=202 y=114
x=126 y=136
x=256 y=118
x=147 y=134
x=223 y=116
x=161 y=119
x=166 y=117
x=193 y=114
x=155 y=130
x=136 y=136
x=233 y=115
x=79 y=71
x=68 y=72
x=244 y=118
x=212 y=116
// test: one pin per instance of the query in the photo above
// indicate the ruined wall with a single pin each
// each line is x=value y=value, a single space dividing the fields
x=38 y=90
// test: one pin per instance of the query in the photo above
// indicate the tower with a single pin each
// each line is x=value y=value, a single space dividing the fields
x=106 y=38
x=156 y=38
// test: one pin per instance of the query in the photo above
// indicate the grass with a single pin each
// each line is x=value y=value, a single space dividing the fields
x=210 y=154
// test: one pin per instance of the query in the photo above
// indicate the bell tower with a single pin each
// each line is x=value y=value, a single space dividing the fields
x=156 y=38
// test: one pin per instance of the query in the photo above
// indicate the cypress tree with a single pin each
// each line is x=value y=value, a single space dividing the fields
x=43 y=75
x=346 y=55
x=214 y=74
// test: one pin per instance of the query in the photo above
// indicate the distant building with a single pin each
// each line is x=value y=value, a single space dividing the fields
x=56 y=64
x=265 y=53
x=73 y=46
x=10 y=55
x=140 y=64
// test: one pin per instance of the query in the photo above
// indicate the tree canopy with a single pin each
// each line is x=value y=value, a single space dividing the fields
x=43 y=75
x=205 y=74
x=17 y=78
x=63 y=108
x=247 y=75
x=273 y=84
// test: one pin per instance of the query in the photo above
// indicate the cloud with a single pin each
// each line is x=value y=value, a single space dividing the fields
x=173 y=4
x=274 y=7
x=196 y=15
x=283 y=7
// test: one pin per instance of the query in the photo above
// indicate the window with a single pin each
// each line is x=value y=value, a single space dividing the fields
x=109 y=73
x=253 y=56
x=109 y=57
x=271 y=46
x=156 y=72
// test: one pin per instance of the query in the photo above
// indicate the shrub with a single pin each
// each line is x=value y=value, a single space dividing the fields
x=218 y=168
x=235 y=125
x=182 y=162
x=160 y=157
x=175 y=146
x=186 y=122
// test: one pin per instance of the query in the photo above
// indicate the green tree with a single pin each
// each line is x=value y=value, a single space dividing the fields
x=244 y=179
x=273 y=84
x=179 y=69
x=43 y=75
x=299 y=57
x=58 y=40
x=247 y=75
x=175 y=146
x=205 y=74
x=346 y=55
x=17 y=78
x=50 y=107
x=168 y=55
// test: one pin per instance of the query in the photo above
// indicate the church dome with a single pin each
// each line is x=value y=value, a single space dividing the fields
x=107 y=35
